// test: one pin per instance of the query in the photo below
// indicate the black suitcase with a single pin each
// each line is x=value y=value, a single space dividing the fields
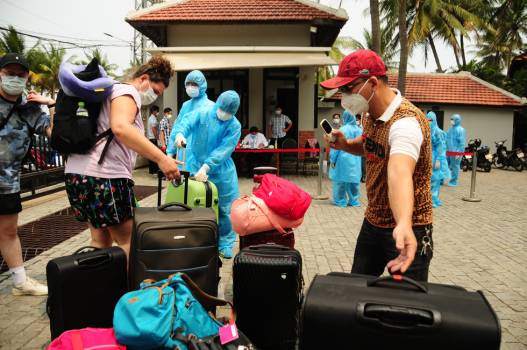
x=84 y=288
x=267 y=288
x=175 y=238
x=350 y=311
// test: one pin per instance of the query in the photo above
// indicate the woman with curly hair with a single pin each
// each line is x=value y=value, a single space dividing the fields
x=103 y=194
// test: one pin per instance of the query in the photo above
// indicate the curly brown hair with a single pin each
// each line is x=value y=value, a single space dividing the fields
x=158 y=69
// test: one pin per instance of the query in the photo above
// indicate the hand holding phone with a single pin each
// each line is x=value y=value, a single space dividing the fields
x=328 y=129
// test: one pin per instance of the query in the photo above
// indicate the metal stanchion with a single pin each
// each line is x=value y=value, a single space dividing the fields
x=319 y=195
x=472 y=197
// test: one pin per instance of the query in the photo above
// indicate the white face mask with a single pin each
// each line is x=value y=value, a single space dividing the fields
x=192 y=91
x=356 y=103
x=148 y=96
x=336 y=120
x=278 y=112
x=452 y=122
x=13 y=85
x=222 y=115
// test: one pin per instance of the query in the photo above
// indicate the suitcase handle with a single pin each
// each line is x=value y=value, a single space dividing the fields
x=398 y=317
x=268 y=245
x=95 y=260
x=174 y=204
x=88 y=248
x=399 y=278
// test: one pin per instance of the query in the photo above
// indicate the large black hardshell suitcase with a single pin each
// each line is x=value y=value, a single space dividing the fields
x=350 y=311
x=267 y=288
x=84 y=288
x=175 y=238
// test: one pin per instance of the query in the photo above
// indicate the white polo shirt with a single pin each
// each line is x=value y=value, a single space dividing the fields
x=405 y=135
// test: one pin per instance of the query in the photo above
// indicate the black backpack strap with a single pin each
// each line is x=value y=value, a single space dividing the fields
x=6 y=120
x=108 y=133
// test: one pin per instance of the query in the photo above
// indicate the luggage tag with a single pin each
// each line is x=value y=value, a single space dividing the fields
x=228 y=333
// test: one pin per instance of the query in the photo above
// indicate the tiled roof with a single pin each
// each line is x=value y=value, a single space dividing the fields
x=458 y=89
x=237 y=11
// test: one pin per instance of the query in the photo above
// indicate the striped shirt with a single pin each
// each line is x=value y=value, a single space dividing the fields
x=164 y=126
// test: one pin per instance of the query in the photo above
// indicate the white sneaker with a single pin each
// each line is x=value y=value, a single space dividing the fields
x=30 y=287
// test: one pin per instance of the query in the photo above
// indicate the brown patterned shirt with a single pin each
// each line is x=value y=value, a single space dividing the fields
x=377 y=152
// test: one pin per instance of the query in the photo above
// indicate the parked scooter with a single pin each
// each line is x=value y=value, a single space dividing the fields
x=503 y=158
x=484 y=157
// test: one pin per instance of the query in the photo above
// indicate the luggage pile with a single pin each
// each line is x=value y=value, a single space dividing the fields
x=168 y=297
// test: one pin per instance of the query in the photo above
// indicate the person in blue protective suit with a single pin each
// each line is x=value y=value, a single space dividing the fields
x=440 y=170
x=214 y=132
x=455 y=143
x=196 y=88
x=345 y=170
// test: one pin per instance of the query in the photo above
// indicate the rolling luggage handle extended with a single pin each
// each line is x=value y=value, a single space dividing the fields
x=185 y=176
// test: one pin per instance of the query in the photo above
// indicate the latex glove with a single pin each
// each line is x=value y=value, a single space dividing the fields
x=180 y=140
x=201 y=175
x=437 y=165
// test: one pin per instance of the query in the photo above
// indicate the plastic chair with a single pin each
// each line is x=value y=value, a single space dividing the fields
x=310 y=163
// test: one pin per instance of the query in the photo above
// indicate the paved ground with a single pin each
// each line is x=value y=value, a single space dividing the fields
x=477 y=245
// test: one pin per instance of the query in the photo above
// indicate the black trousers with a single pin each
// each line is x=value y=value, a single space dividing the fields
x=376 y=247
x=152 y=166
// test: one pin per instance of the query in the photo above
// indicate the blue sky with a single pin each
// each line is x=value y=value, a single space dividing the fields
x=89 y=20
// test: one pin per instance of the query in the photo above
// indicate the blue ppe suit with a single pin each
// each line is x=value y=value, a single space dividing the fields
x=201 y=101
x=213 y=142
x=345 y=170
x=455 y=143
x=440 y=170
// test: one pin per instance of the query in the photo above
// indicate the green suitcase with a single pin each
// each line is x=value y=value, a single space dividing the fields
x=191 y=192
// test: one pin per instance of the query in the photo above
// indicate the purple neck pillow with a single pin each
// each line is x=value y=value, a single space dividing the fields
x=88 y=82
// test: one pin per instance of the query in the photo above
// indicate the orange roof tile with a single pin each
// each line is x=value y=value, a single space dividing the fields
x=236 y=11
x=458 y=89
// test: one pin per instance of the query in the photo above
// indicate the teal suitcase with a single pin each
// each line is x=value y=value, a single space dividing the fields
x=191 y=192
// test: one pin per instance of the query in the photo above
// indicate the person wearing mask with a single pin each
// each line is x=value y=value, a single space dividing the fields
x=164 y=129
x=363 y=159
x=440 y=169
x=397 y=229
x=254 y=139
x=18 y=115
x=345 y=169
x=335 y=121
x=455 y=143
x=279 y=125
x=214 y=132
x=103 y=194
x=196 y=89
x=152 y=132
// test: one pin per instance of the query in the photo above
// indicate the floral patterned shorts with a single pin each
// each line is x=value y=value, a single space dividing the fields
x=102 y=202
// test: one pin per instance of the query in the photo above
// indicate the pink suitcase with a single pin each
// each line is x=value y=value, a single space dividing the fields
x=251 y=215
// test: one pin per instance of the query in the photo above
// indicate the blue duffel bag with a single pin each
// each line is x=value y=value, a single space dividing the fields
x=165 y=314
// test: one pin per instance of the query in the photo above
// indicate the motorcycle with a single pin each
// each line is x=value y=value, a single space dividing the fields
x=484 y=158
x=503 y=158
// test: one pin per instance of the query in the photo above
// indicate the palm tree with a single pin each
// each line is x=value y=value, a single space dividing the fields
x=403 y=42
x=103 y=61
x=50 y=69
x=389 y=45
x=501 y=44
x=375 y=27
x=12 y=41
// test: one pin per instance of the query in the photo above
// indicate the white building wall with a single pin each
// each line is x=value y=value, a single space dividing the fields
x=256 y=98
x=306 y=97
x=238 y=35
x=489 y=124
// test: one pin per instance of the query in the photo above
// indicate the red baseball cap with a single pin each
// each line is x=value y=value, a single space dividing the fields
x=358 y=64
